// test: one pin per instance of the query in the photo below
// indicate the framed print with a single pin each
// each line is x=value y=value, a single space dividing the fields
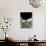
x=26 y=19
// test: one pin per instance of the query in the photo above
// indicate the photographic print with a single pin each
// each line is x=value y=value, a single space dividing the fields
x=26 y=19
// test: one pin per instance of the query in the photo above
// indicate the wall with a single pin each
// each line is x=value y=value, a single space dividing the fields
x=12 y=8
